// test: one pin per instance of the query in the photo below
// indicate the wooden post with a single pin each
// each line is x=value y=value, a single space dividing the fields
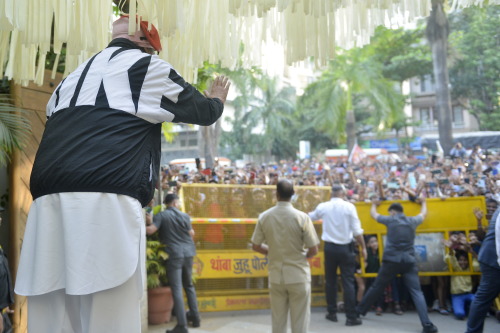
x=33 y=99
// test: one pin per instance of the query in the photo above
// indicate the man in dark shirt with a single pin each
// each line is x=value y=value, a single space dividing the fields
x=399 y=258
x=176 y=233
x=489 y=287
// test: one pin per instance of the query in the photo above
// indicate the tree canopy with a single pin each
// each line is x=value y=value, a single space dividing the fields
x=475 y=70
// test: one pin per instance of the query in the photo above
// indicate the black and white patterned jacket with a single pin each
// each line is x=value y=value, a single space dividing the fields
x=104 y=124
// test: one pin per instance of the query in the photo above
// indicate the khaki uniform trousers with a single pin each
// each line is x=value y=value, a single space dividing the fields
x=295 y=297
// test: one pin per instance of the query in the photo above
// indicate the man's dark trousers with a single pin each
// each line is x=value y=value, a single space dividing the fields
x=488 y=290
x=340 y=256
x=179 y=271
x=387 y=272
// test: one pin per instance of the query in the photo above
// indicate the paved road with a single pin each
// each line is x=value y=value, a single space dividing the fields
x=259 y=321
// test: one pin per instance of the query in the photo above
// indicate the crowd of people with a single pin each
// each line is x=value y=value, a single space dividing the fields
x=389 y=176
x=386 y=177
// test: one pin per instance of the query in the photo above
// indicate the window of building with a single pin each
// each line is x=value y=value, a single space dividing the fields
x=428 y=117
x=183 y=143
x=435 y=117
x=426 y=83
x=193 y=142
x=458 y=115
x=425 y=117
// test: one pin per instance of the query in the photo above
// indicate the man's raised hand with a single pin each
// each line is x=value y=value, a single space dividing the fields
x=219 y=88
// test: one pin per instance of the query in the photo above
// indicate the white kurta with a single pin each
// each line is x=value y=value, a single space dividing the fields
x=83 y=242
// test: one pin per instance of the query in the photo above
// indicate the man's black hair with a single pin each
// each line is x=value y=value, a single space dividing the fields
x=337 y=188
x=285 y=189
x=169 y=198
x=396 y=207
x=461 y=253
x=491 y=200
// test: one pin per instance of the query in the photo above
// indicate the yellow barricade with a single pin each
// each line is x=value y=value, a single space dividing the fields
x=230 y=276
x=240 y=264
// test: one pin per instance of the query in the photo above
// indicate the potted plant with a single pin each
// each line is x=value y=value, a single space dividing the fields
x=160 y=301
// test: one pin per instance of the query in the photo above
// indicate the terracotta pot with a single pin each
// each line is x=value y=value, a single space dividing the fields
x=160 y=305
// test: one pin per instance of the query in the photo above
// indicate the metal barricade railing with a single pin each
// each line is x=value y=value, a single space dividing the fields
x=231 y=276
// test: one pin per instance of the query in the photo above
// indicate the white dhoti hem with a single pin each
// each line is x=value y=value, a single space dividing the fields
x=82 y=243
x=114 y=310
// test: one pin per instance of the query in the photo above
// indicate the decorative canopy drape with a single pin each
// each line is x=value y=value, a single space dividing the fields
x=194 y=31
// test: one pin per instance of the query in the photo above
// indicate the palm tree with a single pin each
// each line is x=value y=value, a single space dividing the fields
x=13 y=129
x=245 y=82
x=269 y=114
x=437 y=32
x=350 y=79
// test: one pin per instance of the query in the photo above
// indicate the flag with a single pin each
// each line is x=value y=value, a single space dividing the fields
x=206 y=172
x=357 y=154
x=440 y=151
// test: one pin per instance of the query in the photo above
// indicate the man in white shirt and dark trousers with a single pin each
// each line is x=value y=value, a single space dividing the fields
x=340 y=225
x=287 y=236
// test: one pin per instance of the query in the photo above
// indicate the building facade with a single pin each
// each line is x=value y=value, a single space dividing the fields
x=423 y=110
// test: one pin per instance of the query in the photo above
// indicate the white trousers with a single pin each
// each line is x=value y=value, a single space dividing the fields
x=115 y=310
x=295 y=297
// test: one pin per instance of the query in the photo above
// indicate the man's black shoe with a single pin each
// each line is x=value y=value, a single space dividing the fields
x=332 y=317
x=193 y=319
x=178 y=329
x=358 y=311
x=353 y=322
x=430 y=328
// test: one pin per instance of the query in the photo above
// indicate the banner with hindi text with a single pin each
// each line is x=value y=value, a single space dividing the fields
x=220 y=264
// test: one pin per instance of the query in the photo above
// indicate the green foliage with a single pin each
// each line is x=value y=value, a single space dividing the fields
x=13 y=128
x=263 y=112
x=156 y=263
x=353 y=80
x=301 y=128
x=401 y=53
x=51 y=58
x=264 y=116
x=166 y=128
x=475 y=74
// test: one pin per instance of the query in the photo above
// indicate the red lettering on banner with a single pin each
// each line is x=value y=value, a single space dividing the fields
x=259 y=301
x=236 y=301
x=221 y=264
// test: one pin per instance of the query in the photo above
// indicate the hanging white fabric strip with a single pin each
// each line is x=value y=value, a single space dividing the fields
x=194 y=31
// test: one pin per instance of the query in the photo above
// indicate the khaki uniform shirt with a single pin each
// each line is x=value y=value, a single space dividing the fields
x=288 y=232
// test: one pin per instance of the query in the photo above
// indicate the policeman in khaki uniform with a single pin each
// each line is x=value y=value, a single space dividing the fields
x=287 y=236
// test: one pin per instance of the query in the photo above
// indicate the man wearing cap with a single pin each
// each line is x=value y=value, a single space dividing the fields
x=399 y=258
x=287 y=236
x=82 y=264
x=340 y=225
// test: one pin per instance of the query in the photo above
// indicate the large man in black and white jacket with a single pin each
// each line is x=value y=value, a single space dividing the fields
x=82 y=262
